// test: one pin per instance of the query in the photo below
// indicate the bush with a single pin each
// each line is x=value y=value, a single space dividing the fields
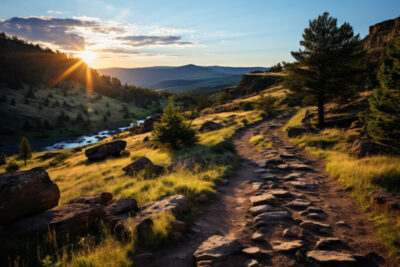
x=12 y=166
x=266 y=104
x=246 y=106
x=172 y=129
x=58 y=159
x=125 y=153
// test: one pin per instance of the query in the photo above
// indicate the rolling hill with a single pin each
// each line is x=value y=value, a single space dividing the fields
x=177 y=79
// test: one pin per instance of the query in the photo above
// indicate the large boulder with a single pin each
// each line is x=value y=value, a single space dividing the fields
x=148 y=124
x=299 y=130
x=102 y=198
x=25 y=193
x=217 y=247
x=210 y=126
x=177 y=205
x=108 y=149
x=361 y=148
x=141 y=165
x=193 y=163
x=124 y=204
x=69 y=219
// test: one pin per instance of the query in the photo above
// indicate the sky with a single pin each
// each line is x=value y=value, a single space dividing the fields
x=175 y=32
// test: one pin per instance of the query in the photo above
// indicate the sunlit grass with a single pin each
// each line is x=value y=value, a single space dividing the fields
x=362 y=176
x=260 y=141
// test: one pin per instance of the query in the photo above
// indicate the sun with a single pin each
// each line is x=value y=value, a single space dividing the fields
x=87 y=56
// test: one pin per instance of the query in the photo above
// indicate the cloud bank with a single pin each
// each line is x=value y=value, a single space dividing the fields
x=74 y=34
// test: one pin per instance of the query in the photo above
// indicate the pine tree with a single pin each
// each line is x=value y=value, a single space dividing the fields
x=25 y=149
x=383 y=120
x=172 y=129
x=328 y=66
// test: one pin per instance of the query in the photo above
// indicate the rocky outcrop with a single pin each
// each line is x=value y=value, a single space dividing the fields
x=108 y=149
x=25 y=193
x=69 y=219
x=124 y=204
x=147 y=125
x=177 y=205
x=142 y=165
x=362 y=147
x=380 y=34
x=102 y=198
x=210 y=126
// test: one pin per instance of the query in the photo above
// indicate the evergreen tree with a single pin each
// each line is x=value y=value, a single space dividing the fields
x=172 y=129
x=3 y=159
x=25 y=149
x=383 y=120
x=108 y=113
x=327 y=68
x=13 y=103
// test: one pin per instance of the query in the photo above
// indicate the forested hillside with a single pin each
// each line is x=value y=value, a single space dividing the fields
x=47 y=93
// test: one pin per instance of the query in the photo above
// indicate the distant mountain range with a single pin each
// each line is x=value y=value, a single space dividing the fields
x=178 y=79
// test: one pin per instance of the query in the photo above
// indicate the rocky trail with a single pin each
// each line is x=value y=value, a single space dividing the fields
x=279 y=208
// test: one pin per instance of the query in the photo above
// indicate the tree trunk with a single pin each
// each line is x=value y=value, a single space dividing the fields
x=321 y=119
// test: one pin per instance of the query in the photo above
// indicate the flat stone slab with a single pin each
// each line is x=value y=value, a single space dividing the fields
x=262 y=199
x=293 y=176
x=251 y=263
x=267 y=176
x=256 y=210
x=257 y=236
x=300 y=167
x=325 y=256
x=316 y=216
x=272 y=216
x=260 y=170
x=252 y=251
x=299 y=184
x=216 y=247
x=283 y=166
x=256 y=185
x=286 y=246
x=326 y=242
x=279 y=193
x=299 y=204
x=315 y=226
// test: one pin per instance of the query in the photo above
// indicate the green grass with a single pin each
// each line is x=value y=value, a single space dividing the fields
x=362 y=176
x=260 y=142
x=75 y=176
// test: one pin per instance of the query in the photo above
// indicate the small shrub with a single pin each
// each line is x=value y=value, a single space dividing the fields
x=246 y=106
x=125 y=153
x=266 y=104
x=172 y=129
x=12 y=166
x=244 y=121
x=58 y=159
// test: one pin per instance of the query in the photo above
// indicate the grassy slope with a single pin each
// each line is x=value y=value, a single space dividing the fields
x=353 y=173
x=75 y=177
x=78 y=100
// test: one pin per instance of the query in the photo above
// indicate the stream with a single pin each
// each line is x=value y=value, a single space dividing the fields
x=90 y=139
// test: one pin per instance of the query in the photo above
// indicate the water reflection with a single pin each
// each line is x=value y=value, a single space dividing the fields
x=90 y=139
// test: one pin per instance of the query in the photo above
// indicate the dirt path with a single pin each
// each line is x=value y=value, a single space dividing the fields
x=291 y=184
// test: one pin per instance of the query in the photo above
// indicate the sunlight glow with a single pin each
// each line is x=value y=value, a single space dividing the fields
x=87 y=56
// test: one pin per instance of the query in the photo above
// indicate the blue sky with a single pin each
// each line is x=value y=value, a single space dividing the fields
x=151 y=33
